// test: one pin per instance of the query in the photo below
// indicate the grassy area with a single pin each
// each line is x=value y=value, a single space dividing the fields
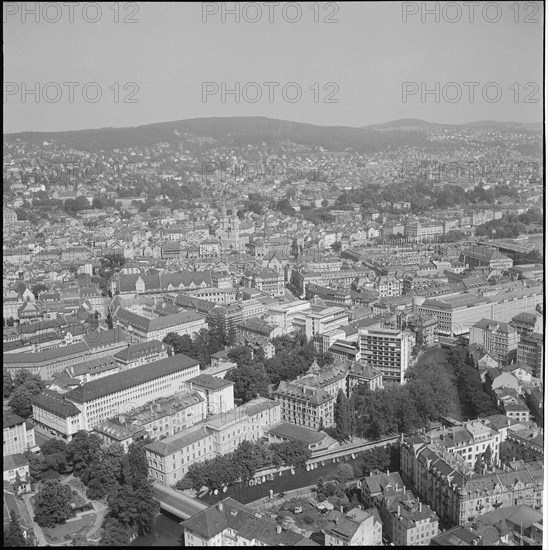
x=65 y=532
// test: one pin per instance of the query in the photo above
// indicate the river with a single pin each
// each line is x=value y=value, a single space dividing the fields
x=167 y=530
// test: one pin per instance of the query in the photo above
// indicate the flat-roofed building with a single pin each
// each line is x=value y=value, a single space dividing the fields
x=18 y=434
x=387 y=350
x=531 y=353
x=218 y=392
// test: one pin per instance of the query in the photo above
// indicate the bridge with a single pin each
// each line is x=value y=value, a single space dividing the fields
x=177 y=503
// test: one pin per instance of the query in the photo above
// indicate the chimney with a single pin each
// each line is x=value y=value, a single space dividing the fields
x=342 y=509
x=420 y=506
x=399 y=508
x=279 y=529
x=387 y=472
x=220 y=506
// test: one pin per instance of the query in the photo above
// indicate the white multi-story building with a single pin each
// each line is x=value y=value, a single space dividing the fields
x=18 y=434
x=283 y=315
x=89 y=404
x=387 y=350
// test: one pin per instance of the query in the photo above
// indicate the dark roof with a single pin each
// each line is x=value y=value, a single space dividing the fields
x=11 y=419
x=55 y=403
x=297 y=433
x=14 y=461
x=210 y=382
x=158 y=323
x=143 y=349
x=230 y=514
x=129 y=378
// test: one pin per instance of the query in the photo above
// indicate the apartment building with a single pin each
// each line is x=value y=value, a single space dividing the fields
x=227 y=317
x=362 y=374
x=265 y=280
x=170 y=458
x=531 y=353
x=425 y=328
x=230 y=523
x=528 y=322
x=389 y=286
x=498 y=339
x=405 y=520
x=387 y=350
x=112 y=395
x=458 y=495
x=305 y=406
x=523 y=443
x=468 y=440
x=355 y=528
x=18 y=434
x=138 y=328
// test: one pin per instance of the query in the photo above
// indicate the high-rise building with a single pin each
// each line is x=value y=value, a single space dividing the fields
x=387 y=350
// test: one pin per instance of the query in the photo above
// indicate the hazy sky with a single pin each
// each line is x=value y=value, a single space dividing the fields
x=161 y=60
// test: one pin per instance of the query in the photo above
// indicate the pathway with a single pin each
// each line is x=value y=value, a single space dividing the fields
x=40 y=537
x=99 y=507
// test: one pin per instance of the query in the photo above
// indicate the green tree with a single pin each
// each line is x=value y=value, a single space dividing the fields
x=105 y=471
x=132 y=503
x=343 y=417
x=21 y=402
x=83 y=450
x=14 y=536
x=52 y=504
x=345 y=473
x=488 y=455
x=7 y=383
x=55 y=453
x=115 y=533
x=249 y=381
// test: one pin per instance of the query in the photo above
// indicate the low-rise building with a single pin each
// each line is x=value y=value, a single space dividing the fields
x=230 y=523
x=355 y=528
